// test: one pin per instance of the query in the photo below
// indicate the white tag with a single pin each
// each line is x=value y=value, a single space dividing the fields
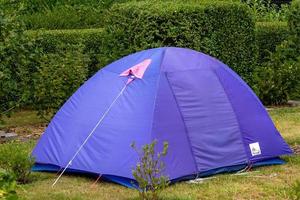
x=255 y=149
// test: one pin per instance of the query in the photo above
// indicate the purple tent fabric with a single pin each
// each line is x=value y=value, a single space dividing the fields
x=205 y=111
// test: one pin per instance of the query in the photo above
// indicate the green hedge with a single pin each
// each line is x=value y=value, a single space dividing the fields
x=136 y=26
x=50 y=65
x=50 y=38
x=57 y=77
x=17 y=61
x=64 y=14
x=91 y=40
x=279 y=78
x=60 y=14
x=268 y=36
x=294 y=24
x=41 y=69
x=222 y=29
x=65 y=17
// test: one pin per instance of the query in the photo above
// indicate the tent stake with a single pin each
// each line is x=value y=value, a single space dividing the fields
x=94 y=184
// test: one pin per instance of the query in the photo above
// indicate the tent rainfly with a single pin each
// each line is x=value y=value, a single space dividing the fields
x=210 y=117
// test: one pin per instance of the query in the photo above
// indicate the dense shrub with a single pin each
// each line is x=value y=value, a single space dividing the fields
x=59 y=65
x=17 y=60
x=268 y=36
x=294 y=24
x=60 y=14
x=65 y=17
x=280 y=76
x=91 y=39
x=57 y=77
x=15 y=158
x=32 y=65
x=7 y=186
x=277 y=79
x=26 y=59
x=50 y=38
x=34 y=6
x=265 y=10
x=222 y=29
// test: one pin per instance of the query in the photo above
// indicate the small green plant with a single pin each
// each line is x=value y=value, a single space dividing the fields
x=15 y=159
x=149 y=171
x=7 y=186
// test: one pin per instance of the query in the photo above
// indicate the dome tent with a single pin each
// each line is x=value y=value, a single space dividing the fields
x=211 y=119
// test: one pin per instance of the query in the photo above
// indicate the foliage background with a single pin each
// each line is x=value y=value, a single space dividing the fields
x=257 y=39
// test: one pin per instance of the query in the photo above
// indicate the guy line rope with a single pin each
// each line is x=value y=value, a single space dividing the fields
x=90 y=134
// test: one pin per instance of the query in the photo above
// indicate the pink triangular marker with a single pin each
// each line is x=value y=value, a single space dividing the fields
x=137 y=70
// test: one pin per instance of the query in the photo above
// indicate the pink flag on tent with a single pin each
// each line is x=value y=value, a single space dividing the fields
x=137 y=70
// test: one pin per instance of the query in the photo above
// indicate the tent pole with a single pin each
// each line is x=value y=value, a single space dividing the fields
x=90 y=134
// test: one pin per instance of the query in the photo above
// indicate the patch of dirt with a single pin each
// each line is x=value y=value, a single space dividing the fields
x=28 y=132
x=296 y=149
x=290 y=103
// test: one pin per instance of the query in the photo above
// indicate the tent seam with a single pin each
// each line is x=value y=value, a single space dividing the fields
x=236 y=118
x=155 y=98
x=185 y=127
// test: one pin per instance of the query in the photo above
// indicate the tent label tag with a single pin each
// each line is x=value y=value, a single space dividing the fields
x=255 y=149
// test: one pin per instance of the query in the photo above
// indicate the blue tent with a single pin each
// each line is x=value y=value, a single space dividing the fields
x=211 y=119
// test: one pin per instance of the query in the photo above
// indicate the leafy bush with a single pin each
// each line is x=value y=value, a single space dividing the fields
x=294 y=24
x=265 y=10
x=60 y=14
x=295 y=93
x=268 y=36
x=280 y=76
x=34 y=6
x=15 y=158
x=136 y=26
x=91 y=39
x=277 y=79
x=148 y=172
x=57 y=77
x=55 y=65
x=17 y=56
x=7 y=186
x=50 y=39
x=65 y=17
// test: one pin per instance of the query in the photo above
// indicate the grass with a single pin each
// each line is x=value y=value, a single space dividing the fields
x=21 y=119
x=287 y=121
x=272 y=182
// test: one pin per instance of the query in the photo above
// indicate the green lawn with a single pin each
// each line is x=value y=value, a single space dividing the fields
x=272 y=182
